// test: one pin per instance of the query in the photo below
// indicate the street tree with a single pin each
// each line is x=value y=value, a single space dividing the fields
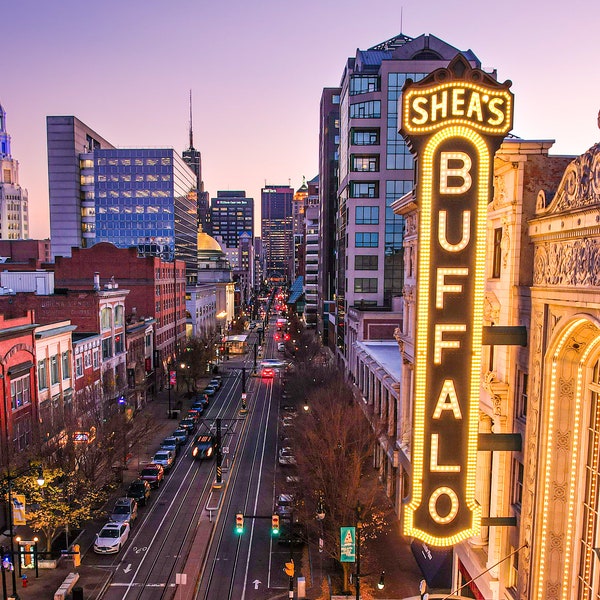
x=65 y=502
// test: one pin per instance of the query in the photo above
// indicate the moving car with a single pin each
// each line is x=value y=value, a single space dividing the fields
x=165 y=459
x=139 y=490
x=204 y=446
x=268 y=372
x=111 y=538
x=125 y=510
x=153 y=474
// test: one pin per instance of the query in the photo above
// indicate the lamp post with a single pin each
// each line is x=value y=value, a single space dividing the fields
x=9 y=478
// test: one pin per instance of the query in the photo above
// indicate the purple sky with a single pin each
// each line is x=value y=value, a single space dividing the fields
x=257 y=68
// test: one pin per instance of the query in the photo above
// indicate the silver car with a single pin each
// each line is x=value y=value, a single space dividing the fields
x=165 y=458
x=125 y=510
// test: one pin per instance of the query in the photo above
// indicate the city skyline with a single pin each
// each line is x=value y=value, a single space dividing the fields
x=257 y=71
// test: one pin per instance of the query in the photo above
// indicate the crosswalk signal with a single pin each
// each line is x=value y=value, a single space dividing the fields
x=239 y=523
x=289 y=568
x=275 y=524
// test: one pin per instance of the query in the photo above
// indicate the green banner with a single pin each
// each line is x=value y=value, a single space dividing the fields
x=347 y=544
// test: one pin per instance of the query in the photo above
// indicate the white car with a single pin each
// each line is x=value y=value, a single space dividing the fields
x=286 y=456
x=281 y=347
x=111 y=538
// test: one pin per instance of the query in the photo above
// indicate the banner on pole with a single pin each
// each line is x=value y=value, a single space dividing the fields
x=347 y=544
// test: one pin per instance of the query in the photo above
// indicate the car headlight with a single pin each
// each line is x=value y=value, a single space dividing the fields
x=195 y=452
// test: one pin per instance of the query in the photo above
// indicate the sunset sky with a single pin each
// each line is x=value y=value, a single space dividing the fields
x=257 y=68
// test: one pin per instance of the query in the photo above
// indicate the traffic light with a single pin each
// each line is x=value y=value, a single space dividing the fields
x=239 y=523
x=289 y=568
x=275 y=524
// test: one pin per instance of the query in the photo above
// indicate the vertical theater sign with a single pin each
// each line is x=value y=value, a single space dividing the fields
x=453 y=120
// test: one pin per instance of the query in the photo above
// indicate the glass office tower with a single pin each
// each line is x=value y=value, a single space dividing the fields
x=147 y=198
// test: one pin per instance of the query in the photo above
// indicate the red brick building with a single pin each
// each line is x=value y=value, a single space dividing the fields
x=91 y=310
x=24 y=255
x=18 y=411
x=156 y=287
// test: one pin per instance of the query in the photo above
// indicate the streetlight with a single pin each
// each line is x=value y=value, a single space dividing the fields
x=9 y=564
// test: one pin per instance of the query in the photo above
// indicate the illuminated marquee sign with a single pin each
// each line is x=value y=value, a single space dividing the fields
x=454 y=120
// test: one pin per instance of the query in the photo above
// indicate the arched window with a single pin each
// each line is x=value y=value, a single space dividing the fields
x=106 y=318
x=119 y=310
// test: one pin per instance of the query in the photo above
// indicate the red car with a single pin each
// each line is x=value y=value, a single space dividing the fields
x=153 y=474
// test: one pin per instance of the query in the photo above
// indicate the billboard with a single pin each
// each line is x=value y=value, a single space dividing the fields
x=453 y=120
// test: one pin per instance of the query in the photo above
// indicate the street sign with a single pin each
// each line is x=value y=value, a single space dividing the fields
x=347 y=544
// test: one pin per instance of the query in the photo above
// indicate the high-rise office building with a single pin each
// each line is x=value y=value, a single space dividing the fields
x=130 y=197
x=329 y=141
x=14 y=212
x=146 y=198
x=193 y=159
x=232 y=214
x=376 y=168
x=311 y=252
x=277 y=232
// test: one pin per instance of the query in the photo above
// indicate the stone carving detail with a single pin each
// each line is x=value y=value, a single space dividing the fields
x=553 y=589
x=563 y=440
x=573 y=263
x=505 y=243
x=491 y=308
x=560 y=491
x=580 y=185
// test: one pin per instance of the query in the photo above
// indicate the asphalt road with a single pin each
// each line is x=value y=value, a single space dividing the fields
x=250 y=566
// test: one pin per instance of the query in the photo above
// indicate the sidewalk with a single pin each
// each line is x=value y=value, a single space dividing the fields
x=93 y=579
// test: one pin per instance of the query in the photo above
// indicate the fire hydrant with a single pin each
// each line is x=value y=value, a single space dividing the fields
x=24 y=580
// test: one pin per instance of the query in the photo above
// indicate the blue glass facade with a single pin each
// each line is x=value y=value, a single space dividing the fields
x=147 y=198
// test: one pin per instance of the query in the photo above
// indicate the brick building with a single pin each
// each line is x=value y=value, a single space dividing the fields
x=18 y=388
x=156 y=287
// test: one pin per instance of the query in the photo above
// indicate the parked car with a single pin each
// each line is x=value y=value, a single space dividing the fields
x=216 y=383
x=139 y=490
x=153 y=474
x=111 y=538
x=284 y=505
x=195 y=412
x=286 y=456
x=181 y=435
x=198 y=405
x=281 y=347
x=125 y=510
x=209 y=391
x=164 y=458
x=290 y=532
x=188 y=424
x=287 y=421
x=172 y=444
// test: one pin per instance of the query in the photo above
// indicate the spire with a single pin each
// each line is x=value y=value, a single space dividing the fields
x=4 y=137
x=191 y=132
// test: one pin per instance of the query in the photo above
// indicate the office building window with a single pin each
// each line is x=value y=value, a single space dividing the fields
x=364 y=189
x=367 y=215
x=365 y=285
x=368 y=239
x=363 y=84
x=366 y=262
x=20 y=391
x=497 y=255
x=96 y=356
x=53 y=369
x=65 y=365
x=366 y=110
x=43 y=374
x=364 y=137
x=362 y=164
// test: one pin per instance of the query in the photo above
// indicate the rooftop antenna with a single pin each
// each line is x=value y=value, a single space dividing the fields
x=401 y=9
x=191 y=132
